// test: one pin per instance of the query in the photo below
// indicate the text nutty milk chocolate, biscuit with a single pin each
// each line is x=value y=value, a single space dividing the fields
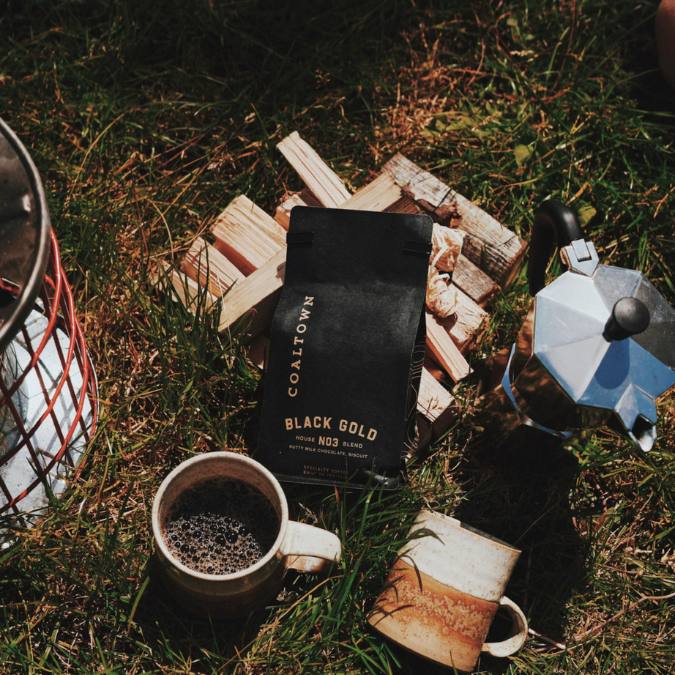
x=347 y=347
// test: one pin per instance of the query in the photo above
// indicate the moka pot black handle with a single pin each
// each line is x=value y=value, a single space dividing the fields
x=554 y=224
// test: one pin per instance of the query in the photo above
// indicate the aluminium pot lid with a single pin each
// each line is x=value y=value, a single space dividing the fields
x=571 y=315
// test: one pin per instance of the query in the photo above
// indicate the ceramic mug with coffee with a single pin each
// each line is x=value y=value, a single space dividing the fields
x=444 y=591
x=223 y=537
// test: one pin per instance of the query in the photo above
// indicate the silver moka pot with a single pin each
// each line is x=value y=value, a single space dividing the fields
x=596 y=349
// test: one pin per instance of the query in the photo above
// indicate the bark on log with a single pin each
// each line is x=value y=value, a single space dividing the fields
x=474 y=282
x=490 y=245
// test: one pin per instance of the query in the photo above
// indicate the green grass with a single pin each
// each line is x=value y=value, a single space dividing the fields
x=145 y=119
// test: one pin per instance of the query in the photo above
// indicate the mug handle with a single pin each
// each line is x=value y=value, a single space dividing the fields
x=308 y=548
x=512 y=644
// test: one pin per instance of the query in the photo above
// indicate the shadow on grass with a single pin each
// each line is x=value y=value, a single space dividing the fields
x=520 y=494
x=654 y=94
x=184 y=637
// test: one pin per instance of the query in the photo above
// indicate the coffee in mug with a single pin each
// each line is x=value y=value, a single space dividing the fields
x=221 y=526
x=223 y=537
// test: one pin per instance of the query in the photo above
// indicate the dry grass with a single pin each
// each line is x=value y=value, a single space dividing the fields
x=145 y=120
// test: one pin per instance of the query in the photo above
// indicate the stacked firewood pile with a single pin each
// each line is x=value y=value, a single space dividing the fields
x=473 y=257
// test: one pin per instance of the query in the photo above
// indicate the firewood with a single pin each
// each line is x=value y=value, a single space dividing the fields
x=433 y=398
x=379 y=195
x=257 y=293
x=474 y=282
x=314 y=172
x=203 y=262
x=247 y=236
x=468 y=324
x=434 y=367
x=302 y=198
x=437 y=410
x=489 y=244
x=255 y=243
x=444 y=350
x=502 y=250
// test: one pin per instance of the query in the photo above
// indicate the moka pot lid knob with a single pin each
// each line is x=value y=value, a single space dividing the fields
x=630 y=316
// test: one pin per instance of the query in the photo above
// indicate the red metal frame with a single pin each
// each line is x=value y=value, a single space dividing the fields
x=58 y=307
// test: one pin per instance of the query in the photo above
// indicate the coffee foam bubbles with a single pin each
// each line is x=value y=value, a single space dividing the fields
x=220 y=526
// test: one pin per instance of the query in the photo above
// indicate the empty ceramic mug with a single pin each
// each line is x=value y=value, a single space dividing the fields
x=444 y=591
x=215 y=589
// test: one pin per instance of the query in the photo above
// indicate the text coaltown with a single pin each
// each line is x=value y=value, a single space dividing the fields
x=298 y=341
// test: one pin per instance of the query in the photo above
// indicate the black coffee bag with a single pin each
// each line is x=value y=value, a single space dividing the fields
x=347 y=346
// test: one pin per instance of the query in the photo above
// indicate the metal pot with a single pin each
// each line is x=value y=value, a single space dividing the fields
x=24 y=250
x=597 y=347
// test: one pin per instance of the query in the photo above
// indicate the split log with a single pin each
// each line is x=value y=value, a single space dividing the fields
x=314 y=172
x=204 y=263
x=490 y=245
x=379 y=195
x=474 y=282
x=468 y=324
x=302 y=198
x=444 y=350
x=258 y=293
x=247 y=236
x=254 y=243
x=434 y=367
x=437 y=409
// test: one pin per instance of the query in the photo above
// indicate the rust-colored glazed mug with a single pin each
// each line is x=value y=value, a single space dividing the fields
x=302 y=547
x=444 y=591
